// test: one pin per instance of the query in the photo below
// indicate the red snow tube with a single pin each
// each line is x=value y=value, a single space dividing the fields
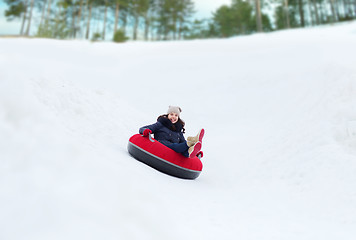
x=162 y=158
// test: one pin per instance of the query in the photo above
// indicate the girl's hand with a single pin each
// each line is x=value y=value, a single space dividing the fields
x=146 y=132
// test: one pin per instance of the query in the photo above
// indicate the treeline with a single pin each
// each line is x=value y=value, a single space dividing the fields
x=169 y=19
x=246 y=17
x=91 y=19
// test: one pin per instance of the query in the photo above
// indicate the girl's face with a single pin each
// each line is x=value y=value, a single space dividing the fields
x=173 y=117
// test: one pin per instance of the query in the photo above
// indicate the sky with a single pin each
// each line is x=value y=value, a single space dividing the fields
x=204 y=9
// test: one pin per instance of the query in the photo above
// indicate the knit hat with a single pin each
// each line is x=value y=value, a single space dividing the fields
x=174 y=109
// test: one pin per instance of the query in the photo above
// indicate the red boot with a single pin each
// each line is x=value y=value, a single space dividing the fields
x=193 y=150
x=198 y=138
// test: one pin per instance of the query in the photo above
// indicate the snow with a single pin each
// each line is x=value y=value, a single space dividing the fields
x=279 y=111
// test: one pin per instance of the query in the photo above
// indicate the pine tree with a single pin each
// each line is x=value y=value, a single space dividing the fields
x=17 y=9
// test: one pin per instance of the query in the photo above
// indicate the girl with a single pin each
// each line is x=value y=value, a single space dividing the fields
x=169 y=130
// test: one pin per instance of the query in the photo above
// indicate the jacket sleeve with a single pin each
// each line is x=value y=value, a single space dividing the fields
x=153 y=127
x=182 y=139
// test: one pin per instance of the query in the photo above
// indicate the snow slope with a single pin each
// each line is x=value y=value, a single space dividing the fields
x=279 y=111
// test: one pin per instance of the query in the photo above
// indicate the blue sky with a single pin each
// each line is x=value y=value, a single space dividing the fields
x=204 y=9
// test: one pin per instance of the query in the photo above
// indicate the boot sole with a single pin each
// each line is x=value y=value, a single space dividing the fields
x=197 y=148
x=201 y=135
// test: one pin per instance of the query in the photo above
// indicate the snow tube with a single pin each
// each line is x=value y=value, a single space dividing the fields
x=162 y=158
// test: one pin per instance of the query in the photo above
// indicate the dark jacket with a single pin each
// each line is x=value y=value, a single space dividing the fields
x=165 y=131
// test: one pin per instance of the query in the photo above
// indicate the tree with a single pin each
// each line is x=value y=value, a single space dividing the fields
x=119 y=36
x=243 y=17
x=186 y=11
x=224 y=21
x=168 y=19
x=196 y=30
x=106 y=5
x=29 y=18
x=117 y=5
x=17 y=9
x=235 y=19
x=138 y=8
x=258 y=15
x=172 y=17
x=163 y=18
x=301 y=12
x=280 y=18
x=286 y=13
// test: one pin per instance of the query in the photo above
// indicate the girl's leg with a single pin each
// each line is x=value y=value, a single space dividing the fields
x=179 y=148
x=198 y=138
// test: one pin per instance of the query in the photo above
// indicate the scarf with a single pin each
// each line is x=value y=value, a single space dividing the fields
x=175 y=127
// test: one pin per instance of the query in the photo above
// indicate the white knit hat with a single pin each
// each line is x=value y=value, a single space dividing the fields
x=174 y=109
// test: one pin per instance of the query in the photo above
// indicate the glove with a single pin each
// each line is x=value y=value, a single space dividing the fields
x=146 y=132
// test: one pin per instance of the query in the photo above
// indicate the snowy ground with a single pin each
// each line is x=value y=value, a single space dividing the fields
x=280 y=146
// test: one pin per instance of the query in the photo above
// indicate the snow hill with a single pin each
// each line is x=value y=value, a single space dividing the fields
x=279 y=111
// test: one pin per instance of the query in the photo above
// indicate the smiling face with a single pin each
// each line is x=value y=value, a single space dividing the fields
x=173 y=117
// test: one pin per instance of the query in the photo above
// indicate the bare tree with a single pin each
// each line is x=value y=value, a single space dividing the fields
x=30 y=18
x=258 y=15
x=90 y=8
x=286 y=11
